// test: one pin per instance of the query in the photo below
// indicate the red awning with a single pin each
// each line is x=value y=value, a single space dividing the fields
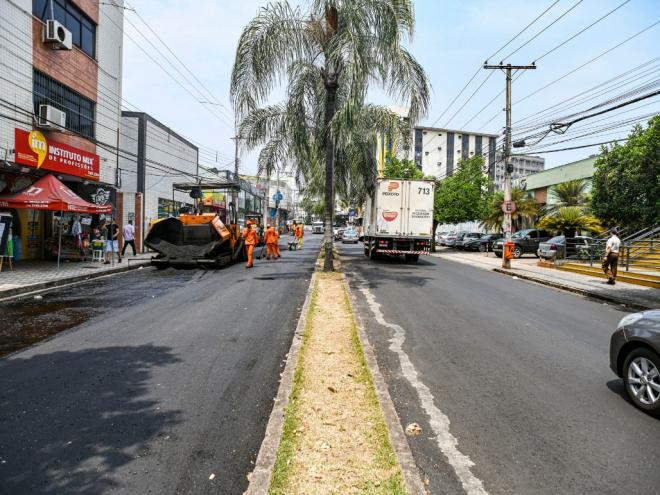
x=48 y=193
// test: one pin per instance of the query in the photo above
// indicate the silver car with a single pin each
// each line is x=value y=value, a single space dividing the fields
x=350 y=235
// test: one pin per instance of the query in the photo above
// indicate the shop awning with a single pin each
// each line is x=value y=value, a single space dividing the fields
x=49 y=193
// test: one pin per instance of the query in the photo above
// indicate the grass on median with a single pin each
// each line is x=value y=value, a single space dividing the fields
x=355 y=423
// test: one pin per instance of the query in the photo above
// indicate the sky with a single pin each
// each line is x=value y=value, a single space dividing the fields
x=452 y=39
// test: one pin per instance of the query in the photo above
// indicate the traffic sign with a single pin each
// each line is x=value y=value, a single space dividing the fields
x=509 y=206
x=278 y=196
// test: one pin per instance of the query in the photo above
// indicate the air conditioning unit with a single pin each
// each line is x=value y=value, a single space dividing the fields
x=51 y=118
x=57 y=36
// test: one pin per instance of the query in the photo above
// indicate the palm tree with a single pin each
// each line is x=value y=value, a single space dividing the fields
x=570 y=193
x=526 y=211
x=569 y=220
x=329 y=54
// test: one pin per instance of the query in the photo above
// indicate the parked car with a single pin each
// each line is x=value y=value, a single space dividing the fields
x=482 y=244
x=560 y=247
x=338 y=232
x=350 y=235
x=526 y=241
x=442 y=240
x=453 y=239
x=635 y=357
x=467 y=238
x=440 y=236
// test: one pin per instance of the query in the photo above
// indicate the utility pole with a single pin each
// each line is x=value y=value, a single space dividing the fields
x=277 y=201
x=507 y=207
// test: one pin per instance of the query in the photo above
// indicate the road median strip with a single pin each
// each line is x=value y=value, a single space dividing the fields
x=327 y=433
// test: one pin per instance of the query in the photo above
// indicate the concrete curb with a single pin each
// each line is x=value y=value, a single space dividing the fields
x=576 y=290
x=52 y=284
x=263 y=468
x=400 y=445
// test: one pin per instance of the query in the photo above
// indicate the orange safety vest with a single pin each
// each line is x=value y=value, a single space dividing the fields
x=250 y=236
x=271 y=235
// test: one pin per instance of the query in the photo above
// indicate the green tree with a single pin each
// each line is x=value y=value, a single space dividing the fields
x=329 y=53
x=626 y=182
x=401 y=169
x=464 y=196
x=569 y=220
x=526 y=211
x=570 y=193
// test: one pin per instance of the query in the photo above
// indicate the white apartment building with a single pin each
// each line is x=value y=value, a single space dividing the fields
x=523 y=165
x=437 y=152
x=154 y=158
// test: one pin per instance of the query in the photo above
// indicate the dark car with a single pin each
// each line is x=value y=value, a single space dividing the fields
x=467 y=238
x=635 y=357
x=560 y=247
x=526 y=241
x=482 y=244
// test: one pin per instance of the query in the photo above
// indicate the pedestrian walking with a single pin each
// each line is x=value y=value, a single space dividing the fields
x=611 y=257
x=299 y=235
x=271 y=242
x=112 y=241
x=251 y=239
x=128 y=232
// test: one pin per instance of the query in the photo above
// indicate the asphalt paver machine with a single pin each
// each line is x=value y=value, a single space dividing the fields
x=208 y=237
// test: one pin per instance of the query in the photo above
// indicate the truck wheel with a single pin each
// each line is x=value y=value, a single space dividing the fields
x=412 y=258
x=517 y=252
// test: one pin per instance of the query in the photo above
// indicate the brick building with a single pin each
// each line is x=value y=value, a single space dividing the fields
x=60 y=94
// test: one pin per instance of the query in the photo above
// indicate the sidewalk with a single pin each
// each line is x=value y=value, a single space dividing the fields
x=633 y=296
x=28 y=276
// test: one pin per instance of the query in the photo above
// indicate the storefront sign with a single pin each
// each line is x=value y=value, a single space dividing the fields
x=34 y=150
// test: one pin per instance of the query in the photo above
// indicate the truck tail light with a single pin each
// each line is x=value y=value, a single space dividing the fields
x=382 y=243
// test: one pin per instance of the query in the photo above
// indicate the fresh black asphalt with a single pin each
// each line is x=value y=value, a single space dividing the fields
x=522 y=372
x=155 y=381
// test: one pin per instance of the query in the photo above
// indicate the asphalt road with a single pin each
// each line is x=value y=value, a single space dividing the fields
x=155 y=381
x=509 y=380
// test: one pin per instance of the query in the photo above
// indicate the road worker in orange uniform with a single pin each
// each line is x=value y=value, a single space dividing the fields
x=271 y=242
x=299 y=235
x=251 y=239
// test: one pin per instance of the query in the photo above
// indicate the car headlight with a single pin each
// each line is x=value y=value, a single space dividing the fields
x=630 y=319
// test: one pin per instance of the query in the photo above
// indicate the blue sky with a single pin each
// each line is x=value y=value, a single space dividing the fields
x=452 y=39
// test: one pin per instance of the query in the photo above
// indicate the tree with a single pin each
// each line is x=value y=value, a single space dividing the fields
x=526 y=211
x=569 y=220
x=329 y=53
x=401 y=169
x=464 y=196
x=570 y=193
x=626 y=182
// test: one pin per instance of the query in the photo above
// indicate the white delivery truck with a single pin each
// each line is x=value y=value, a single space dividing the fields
x=399 y=218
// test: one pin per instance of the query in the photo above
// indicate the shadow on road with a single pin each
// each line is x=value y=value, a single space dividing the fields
x=70 y=420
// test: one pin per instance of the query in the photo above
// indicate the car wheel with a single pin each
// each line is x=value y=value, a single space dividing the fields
x=517 y=252
x=482 y=248
x=499 y=255
x=641 y=376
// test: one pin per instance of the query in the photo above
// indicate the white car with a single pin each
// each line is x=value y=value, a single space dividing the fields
x=350 y=235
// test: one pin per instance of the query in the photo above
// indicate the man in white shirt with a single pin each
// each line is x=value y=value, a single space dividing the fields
x=611 y=257
x=128 y=233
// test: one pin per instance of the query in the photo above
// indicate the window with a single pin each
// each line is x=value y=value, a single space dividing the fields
x=83 y=30
x=79 y=110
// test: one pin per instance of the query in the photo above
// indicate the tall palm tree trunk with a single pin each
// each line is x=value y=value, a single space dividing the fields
x=330 y=108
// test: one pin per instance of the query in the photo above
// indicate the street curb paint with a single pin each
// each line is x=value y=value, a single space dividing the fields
x=265 y=464
x=576 y=290
x=54 y=284
x=398 y=439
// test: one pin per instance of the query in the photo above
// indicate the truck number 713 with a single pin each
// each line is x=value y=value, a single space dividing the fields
x=423 y=190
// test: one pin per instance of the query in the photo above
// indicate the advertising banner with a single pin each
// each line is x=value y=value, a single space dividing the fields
x=34 y=150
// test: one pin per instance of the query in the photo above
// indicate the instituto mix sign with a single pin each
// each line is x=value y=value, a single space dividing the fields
x=34 y=150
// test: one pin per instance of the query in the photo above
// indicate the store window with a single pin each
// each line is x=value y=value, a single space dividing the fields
x=169 y=208
x=83 y=30
x=79 y=110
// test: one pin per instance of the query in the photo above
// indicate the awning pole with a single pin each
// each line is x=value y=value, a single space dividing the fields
x=59 y=247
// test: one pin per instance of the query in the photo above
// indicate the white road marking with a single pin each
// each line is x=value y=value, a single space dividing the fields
x=439 y=421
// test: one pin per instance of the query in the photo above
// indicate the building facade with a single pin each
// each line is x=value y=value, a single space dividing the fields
x=539 y=185
x=153 y=158
x=523 y=166
x=60 y=98
x=437 y=152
